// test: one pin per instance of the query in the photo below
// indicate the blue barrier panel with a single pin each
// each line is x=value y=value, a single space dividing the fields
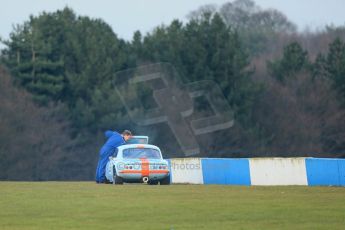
x=169 y=165
x=226 y=171
x=341 y=164
x=322 y=171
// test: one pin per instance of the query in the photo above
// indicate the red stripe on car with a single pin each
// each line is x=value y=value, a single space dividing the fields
x=140 y=171
x=145 y=167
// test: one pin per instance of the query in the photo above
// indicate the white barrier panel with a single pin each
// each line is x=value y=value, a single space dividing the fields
x=186 y=170
x=278 y=171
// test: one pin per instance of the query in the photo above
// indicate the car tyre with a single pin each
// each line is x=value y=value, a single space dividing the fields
x=165 y=181
x=153 y=182
x=116 y=178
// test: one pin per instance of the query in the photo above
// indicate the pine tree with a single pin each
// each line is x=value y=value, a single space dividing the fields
x=335 y=66
x=294 y=60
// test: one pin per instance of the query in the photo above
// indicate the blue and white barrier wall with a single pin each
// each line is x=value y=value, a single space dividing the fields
x=259 y=171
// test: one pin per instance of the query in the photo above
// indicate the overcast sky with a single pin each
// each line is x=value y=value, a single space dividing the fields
x=126 y=16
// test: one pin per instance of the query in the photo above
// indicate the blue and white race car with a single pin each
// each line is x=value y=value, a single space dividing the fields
x=138 y=161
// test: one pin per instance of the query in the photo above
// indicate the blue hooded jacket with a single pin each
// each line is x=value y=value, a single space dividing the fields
x=114 y=140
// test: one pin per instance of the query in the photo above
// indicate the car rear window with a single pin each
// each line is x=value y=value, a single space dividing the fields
x=133 y=153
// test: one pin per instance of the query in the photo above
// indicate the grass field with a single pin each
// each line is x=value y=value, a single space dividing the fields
x=86 y=205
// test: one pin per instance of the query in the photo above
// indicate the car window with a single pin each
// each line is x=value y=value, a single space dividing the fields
x=138 y=140
x=115 y=152
x=133 y=153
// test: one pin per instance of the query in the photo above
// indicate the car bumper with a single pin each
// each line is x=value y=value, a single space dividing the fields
x=139 y=174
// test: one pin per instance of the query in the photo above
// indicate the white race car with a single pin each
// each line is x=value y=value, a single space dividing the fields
x=138 y=161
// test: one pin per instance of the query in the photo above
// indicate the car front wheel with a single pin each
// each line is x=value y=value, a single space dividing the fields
x=116 y=178
x=165 y=181
x=153 y=182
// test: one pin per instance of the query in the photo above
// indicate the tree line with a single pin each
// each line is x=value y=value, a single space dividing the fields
x=286 y=88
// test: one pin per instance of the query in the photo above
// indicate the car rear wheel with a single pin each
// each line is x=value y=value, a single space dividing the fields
x=116 y=178
x=165 y=181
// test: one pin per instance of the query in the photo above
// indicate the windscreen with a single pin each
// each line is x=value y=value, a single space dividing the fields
x=138 y=140
x=141 y=153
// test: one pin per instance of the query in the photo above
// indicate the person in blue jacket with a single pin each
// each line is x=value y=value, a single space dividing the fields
x=114 y=140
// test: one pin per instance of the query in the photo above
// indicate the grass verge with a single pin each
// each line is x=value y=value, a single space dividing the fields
x=86 y=205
